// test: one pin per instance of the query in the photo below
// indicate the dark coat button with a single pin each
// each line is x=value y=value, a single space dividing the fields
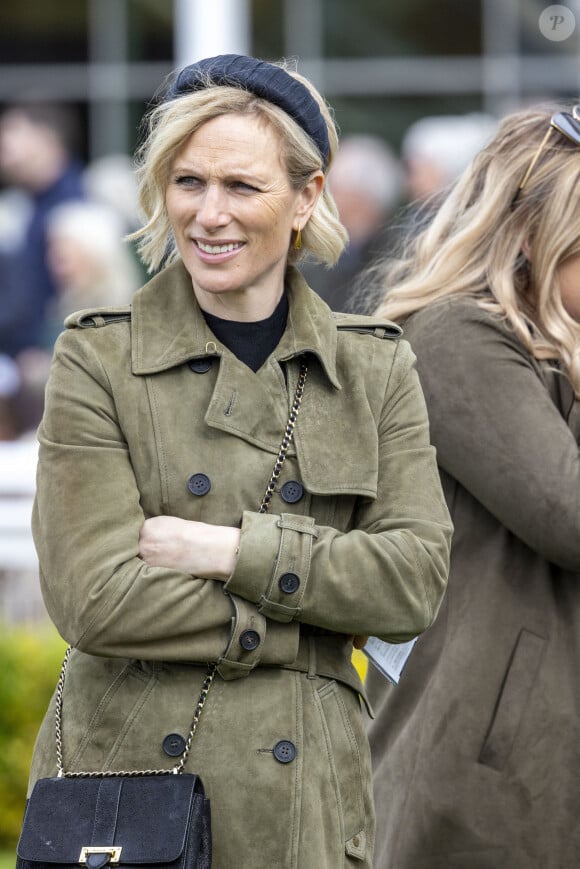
x=200 y=366
x=199 y=484
x=289 y=583
x=292 y=491
x=249 y=640
x=285 y=751
x=174 y=744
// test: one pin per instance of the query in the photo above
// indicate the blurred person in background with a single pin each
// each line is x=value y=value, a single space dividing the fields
x=111 y=180
x=366 y=183
x=435 y=151
x=477 y=751
x=91 y=266
x=90 y=263
x=37 y=157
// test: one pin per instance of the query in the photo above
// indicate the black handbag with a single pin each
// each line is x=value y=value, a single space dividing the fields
x=150 y=819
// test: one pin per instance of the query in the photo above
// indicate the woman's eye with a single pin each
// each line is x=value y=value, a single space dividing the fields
x=244 y=187
x=187 y=181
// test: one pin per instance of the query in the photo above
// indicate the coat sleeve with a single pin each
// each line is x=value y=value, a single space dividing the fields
x=387 y=575
x=86 y=520
x=496 y=428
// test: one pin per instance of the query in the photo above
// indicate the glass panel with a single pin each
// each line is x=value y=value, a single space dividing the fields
x=43 y=31
x=267 y=28
x=374 y=28
x=150 y=30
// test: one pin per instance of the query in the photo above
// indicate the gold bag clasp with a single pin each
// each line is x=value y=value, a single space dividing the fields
x=113 y=850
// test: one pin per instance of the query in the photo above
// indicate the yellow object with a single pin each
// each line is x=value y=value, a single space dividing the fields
x=361 y=662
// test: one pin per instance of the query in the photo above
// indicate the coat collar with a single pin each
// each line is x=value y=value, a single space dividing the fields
x=168 y=327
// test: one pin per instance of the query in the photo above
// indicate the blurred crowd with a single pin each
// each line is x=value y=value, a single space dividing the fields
x=383 y=197
x=62 y=225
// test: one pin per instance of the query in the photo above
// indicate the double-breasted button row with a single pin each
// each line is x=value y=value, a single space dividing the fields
x=291 y=492
x=174 y=745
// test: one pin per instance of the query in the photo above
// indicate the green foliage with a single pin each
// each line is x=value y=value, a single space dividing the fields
x=7 y=860
x=30 y=660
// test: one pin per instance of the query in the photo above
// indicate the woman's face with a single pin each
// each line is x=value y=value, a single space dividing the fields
x=232 y=211
x=569 y=276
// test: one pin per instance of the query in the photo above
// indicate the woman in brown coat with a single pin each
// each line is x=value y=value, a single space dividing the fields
x=477 y=750
x=163 y=425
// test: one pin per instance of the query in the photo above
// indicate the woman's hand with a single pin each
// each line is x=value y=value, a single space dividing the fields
x=206 y=551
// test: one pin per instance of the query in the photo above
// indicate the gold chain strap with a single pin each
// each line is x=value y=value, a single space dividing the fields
x=211 y=670
x=211 y=667
x=286 y=440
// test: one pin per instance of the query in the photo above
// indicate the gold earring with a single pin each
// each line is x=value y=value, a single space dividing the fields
x=298 y=239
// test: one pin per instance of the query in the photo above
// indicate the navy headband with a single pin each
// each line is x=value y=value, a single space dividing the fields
x=265 y=80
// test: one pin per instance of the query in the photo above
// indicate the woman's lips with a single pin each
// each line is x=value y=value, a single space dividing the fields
x=217 y=251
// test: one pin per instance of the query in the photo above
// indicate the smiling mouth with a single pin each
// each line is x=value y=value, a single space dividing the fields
x=219 y=248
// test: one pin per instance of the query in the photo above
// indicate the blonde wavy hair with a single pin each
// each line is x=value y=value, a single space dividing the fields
x=475 y=244
x=170 y=124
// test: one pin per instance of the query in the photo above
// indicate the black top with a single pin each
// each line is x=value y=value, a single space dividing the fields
x=252 y=343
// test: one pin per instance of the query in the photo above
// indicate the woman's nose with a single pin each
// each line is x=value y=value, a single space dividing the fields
x=212 y=207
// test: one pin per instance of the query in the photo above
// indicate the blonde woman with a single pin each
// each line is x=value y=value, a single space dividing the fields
x=477 y=751
x=227 y=474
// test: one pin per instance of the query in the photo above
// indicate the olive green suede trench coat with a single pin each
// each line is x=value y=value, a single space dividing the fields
x=147 y=415
x=477 y=750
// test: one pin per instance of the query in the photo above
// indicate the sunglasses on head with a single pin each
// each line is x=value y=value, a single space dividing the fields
x=562 y=122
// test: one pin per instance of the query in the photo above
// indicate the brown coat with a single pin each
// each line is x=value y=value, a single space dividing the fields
x=362 y=549
x=477 y=751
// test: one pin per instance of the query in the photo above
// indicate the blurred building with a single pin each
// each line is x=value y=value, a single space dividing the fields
x=381 y=65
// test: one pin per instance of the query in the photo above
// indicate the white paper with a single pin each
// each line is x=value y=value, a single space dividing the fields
x=389 y=658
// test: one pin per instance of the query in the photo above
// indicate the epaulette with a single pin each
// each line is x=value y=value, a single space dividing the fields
x=94 y=318
x=367 y=325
